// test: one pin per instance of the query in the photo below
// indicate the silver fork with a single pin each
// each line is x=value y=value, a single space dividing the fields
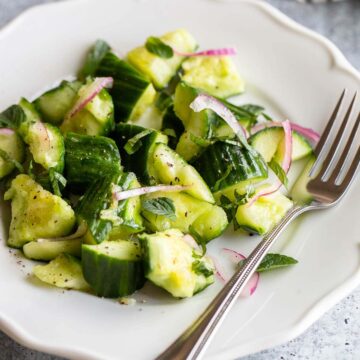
x=326 y=192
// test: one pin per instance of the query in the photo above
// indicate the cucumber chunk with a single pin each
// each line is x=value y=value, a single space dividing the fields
x=55 y=103
x=195 y=123
x=46 y=145
x=138 y=162
x=223 y=165
x=217 y=75
x=172 y=264
x=45 y=140
x=89 y=158
x=47 y=250
x=299 y=193
x=36 y=213
x=158 y=69
x=168 y=167
x=264 y=213
x=97 y=116
x=268 y=143
x=11 y=143
x=113 y=268
x=207 y=220
x=132 y=92
x=63 y=272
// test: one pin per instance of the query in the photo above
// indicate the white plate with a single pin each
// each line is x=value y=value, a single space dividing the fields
x=293 y=71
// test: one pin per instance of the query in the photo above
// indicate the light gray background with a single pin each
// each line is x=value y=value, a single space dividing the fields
x=337 y=334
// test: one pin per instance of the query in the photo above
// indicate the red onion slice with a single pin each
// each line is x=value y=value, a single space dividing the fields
x=230 y=51
x=6 y=131
x=122 y=195
x=310 y=134
x=286 y=162
x=252 y=284
x=234 y=256
x=89 y=92
x=204 y=101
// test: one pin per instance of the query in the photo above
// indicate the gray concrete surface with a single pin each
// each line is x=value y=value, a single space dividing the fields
x=337 y=334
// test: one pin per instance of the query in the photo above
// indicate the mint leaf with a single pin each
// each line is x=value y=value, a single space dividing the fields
x=199 y=141
x=159 y=48
x=224 y=177
x=164 y=100
x=198 y=238
x=279 y=172
x=93 y=59
x=200 y=268
x=57 y=181
x=274 y=261
x=12 y=117
x=230 y=207
x=8 y=158
x=160 y=206
x=134 y=144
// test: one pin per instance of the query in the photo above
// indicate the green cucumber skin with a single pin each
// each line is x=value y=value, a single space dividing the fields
x=214 y=162
x=110 y=277
x=55 y=103
x=137 y=162
x=88 y=158
x=129 y=84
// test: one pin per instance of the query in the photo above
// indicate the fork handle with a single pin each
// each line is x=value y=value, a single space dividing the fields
x=192 y=343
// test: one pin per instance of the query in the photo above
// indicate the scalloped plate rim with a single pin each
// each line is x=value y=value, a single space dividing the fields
x=15 y=331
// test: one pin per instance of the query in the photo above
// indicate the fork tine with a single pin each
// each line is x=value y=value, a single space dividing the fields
x=335 y=145
x=351 y=172
x=340 y=164
x=325 y=134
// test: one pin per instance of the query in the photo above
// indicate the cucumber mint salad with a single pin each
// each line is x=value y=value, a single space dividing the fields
x=125 y=174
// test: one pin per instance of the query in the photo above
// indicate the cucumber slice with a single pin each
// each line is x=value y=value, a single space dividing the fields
x=139 y=161
x=223 y=165
x=88 y=158
x=97 y=116
x=207 y=220
x=264 y=213
x=217 y=75
x=46 y=145
x=168 y=167
x=47 y=250
x=299 y=192
x=195 y=123
x=36 y=213
x=11 y=143
x=158 y=69
x=268 y=143
x=172 y=264
x=55 y=103
x=132 y=92
x=64 y=272
x=113 y=268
